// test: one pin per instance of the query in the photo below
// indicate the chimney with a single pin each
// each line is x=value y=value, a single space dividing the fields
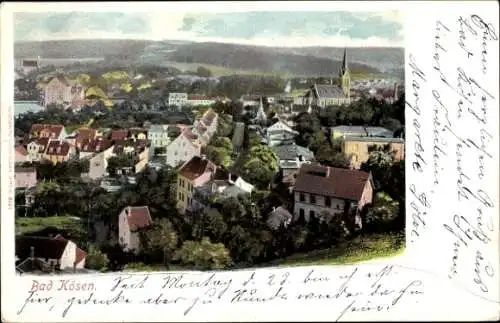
x=327 y=171
x=129 y=211
x=32 y=253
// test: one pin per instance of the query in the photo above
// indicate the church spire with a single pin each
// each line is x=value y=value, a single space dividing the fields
x=344 y=67
x=345 y=76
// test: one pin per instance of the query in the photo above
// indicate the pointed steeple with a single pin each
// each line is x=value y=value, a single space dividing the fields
x=261 y=115
x=344 y=67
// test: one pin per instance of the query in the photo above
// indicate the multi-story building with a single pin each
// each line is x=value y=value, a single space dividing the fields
x=280 y=134
x=193 y=174
x=177 y=99
x=291 y=157
x=36 y=148
x=324 y=192
x=130 y=220
x=158 y=136
x=52 y=132
x=58 y=151
x=358 y=148
x=183 y=148
x=61 y=90
x=195 y=100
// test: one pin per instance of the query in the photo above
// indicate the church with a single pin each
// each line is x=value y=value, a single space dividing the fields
x=323 y=95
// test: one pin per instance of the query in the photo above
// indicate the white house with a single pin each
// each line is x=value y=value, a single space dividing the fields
x=158 y=136
x=183 y=148
x=280 y=133
x=61 y=90
x=194 y=100
x=130 y=220
x=177 y=99
x=222 y=184
x=36 y=148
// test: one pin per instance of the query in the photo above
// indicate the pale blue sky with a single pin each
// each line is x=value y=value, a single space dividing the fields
x=338 y=28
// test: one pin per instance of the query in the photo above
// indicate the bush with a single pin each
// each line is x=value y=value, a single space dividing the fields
x=96 y=259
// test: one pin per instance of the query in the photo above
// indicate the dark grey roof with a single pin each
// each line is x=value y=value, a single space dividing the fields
x=292 y=151
x=329 y=91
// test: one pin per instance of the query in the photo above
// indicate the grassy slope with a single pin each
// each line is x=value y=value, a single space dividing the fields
x=29 y=225
x=363 y=248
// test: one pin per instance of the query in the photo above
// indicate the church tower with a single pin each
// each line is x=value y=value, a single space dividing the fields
x=345 y=76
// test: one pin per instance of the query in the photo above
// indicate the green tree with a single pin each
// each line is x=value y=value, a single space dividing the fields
x=162 y=240
x=96 y=260
x=327 y=155
x=224 y=124
x=261 y=166
x=203 y=254
x=379 y=163
x=203 y=72
x=223 y=142
x=382 y=211
x=213 y=225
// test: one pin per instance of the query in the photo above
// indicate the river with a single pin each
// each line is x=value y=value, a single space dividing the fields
x=26 y=106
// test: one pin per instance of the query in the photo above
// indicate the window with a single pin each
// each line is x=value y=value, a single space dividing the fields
x=180 y=196
x=338 y=206
x=328 y=201
x=312 y=199
x=302 y=197
x=311 y=214
x=301 y=212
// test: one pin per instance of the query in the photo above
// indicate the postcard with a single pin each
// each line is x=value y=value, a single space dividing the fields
x=250 y=161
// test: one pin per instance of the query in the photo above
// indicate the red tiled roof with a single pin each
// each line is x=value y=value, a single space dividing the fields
x=54 y=130
x=196 y=167
x=119 y=135
x=80 y=254
x=189 y=134
x=57 y=148
x=21 y=150
x=334 y=182
x=86 y=133
x=95 y=145
x=138 y=217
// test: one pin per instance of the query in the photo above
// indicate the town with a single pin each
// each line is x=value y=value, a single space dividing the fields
x=158 y=169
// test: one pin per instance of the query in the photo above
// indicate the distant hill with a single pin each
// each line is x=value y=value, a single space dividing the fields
x=298 y=61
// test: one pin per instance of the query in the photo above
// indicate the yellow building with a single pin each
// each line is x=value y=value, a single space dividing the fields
x=195 y=173
x=57 y=152
x=357 y=148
